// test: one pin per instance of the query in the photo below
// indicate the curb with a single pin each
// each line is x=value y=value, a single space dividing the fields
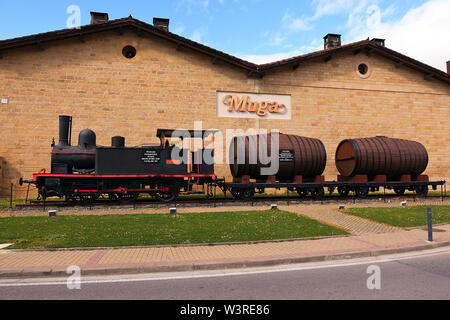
x=217 y=266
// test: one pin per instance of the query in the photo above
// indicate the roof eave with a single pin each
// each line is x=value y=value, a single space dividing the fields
x=42 y=38
x=251 y=68
x=368 y=46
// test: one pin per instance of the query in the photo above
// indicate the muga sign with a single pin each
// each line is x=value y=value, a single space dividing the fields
x=253 y=105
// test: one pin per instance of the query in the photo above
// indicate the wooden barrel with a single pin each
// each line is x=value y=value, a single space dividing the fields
x=381 y=156
x=297 y=156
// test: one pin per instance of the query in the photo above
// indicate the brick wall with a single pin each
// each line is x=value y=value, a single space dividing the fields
x=167 y=88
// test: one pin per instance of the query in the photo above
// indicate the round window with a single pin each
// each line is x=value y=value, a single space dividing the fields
x=129 y=52
x=363 y=70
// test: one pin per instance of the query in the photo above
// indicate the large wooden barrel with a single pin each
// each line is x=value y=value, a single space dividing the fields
x=297 y=156
x=381 y=156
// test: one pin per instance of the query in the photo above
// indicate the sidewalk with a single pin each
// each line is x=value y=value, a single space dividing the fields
x=102 y=261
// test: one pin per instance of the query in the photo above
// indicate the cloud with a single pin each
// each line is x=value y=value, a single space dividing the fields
x=331 y=7
x=179 y=28
x=278 y=39
x=321 y=8
x=268 y=58
x=295 y=24
x=421 y=33
x=190 y=5
x=198 y=35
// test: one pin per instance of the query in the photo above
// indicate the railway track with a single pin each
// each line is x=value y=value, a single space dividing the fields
x=224 y=202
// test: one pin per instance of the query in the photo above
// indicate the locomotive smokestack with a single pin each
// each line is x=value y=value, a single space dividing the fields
x=65 y=123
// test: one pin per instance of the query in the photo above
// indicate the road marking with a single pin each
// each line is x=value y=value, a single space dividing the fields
x=225 y=273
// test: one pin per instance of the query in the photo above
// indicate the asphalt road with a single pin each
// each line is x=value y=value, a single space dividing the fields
x=424 y=275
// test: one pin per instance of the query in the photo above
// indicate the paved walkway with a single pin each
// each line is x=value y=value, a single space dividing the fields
x=368 y=239
x=153 y=259
x=352 y=224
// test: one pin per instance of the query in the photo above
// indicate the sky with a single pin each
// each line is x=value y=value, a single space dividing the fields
x=260 y=31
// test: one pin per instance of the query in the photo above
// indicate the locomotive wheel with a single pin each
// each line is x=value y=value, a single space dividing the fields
x=165 y=196
x=399 y=190
x=303 y=193
x=86 y=199
x=318 y=193
x=362 y=192
x=113 y=197
x=168 y=196
x=127 y=197
x=343 y=191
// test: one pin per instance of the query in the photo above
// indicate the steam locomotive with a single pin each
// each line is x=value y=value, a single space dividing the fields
x=85 y=172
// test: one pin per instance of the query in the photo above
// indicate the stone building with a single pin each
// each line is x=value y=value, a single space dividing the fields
x=128 y=78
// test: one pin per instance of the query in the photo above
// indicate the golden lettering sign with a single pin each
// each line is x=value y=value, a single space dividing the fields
x=253 y=105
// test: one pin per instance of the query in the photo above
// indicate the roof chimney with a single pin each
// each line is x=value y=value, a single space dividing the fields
x=99 y=17
x=448 y=67
x=379 y=42
x=161 y=23
x=332 y=41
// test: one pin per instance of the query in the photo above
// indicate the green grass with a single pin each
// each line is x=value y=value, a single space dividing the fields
x=157 y=229
x=403 y=217
x=5 y=203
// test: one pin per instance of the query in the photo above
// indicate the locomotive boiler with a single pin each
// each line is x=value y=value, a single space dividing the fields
x=67 y=159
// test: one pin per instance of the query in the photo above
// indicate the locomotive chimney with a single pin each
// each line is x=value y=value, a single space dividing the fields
x=65 y=123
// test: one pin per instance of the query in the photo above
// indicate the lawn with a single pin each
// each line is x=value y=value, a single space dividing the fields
x=414 y=216
x=5 y=203
x=157 y=229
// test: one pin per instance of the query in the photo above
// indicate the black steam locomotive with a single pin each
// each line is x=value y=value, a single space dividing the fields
x=86 y=171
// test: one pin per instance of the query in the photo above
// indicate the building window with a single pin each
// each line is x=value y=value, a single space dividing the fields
x=363 y=70
x=129 y=52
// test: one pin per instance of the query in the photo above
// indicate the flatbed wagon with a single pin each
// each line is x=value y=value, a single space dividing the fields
x=246 y=191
